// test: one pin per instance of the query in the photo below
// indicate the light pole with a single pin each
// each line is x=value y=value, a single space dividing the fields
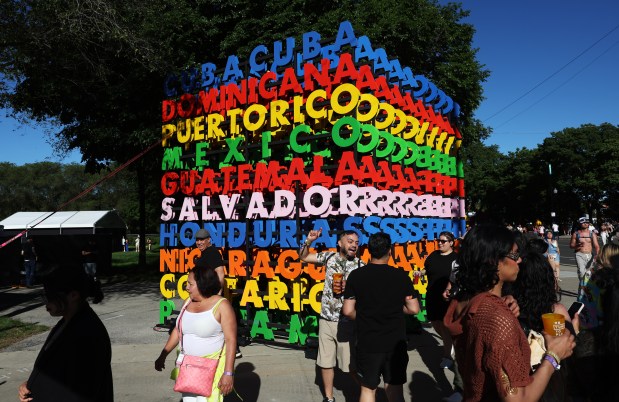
x=551 y=194
x=553 y=214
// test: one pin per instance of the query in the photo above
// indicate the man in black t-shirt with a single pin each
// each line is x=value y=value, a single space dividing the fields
x=377 y=297
x=210 y=258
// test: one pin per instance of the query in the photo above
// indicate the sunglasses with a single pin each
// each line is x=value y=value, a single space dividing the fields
x=513 y=256
x=443 y=241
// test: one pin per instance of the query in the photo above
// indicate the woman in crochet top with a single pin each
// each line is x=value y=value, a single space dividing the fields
x=492 y=352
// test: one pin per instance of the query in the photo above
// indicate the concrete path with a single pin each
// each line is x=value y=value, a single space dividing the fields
x=264 y=373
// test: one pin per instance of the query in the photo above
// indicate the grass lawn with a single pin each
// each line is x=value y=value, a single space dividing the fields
x=12 y=331
x=125 y=267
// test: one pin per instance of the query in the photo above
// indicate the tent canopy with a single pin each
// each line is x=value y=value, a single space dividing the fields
x=63 y=223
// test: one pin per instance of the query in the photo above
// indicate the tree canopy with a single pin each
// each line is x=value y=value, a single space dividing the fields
x=95 y=70
x=96 y=67
x=573 y=172
x=44 y=186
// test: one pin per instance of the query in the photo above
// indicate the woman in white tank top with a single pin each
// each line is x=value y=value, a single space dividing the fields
x=207 y=320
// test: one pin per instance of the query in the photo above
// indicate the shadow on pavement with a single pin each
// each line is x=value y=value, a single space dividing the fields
x=19 y=301
x=342 y=382
x=424 y=387
x=16 y=301
x=246 y=384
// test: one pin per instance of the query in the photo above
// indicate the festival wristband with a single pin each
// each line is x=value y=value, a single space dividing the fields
x=230 y=373
x=552 y=361
x=554 y=355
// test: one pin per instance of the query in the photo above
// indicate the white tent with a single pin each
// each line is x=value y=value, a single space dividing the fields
x=59 y=237
x=63 y=223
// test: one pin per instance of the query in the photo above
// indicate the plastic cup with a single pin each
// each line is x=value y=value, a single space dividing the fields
x=337 y=282
x=554 y=324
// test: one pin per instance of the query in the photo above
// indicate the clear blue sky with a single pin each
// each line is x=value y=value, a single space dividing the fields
x=525 y=44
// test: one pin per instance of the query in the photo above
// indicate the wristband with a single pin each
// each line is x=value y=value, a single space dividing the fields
x=230 y=373
x=554 y=355
x=552 y=361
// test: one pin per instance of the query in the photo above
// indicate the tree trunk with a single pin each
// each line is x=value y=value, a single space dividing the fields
x=142 y=218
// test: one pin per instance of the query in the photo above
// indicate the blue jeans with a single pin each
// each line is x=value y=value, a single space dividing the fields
x=91 y=268
x=30 y=268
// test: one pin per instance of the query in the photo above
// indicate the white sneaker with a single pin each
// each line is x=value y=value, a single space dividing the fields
x=446 y=363
x=455 y=397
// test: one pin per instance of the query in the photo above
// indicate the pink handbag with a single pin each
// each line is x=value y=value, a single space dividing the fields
x=195 y=373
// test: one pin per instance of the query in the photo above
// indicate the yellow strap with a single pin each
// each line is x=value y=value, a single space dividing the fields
x=217 y=305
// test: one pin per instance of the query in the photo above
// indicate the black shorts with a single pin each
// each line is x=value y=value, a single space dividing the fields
x=391 y=365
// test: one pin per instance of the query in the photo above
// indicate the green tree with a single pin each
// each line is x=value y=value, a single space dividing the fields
x=95 y=68
x=45 y=186
x=525 y=192
x=585 y=167
x=482 y=176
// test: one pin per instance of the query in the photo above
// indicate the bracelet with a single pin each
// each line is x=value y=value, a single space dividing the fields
x=552 y=361
x=230 y=373
x=554 y=355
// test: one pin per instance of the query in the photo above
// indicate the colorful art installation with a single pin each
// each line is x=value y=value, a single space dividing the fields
x=311 y=135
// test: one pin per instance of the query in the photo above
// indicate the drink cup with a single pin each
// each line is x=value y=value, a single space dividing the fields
x=337 y=282
x=554 y=324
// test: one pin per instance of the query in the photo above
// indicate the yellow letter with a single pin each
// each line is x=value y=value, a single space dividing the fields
x=250 y=294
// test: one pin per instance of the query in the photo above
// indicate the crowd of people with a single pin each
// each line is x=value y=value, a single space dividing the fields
x=486 y=295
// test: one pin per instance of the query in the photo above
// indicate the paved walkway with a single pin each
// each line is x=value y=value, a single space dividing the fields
x=265 y=373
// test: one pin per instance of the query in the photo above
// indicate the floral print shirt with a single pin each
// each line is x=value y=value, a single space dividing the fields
x=331 y=306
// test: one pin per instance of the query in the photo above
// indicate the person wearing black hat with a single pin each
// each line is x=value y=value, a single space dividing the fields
x=74 y=363
x=583 y=241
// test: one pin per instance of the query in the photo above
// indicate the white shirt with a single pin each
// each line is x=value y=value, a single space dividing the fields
x=202 y=333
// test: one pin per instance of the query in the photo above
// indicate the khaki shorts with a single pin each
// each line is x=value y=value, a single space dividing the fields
x=335 y=341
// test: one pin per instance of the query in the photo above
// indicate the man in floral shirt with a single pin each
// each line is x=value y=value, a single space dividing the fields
x=335 y=332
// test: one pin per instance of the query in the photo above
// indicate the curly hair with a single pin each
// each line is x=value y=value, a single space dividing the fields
x=535 y=290
x=536 y=246
x=478 y=261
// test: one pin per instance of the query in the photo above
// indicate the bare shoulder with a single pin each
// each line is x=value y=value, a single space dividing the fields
x=224 y=303
x=224 y=309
